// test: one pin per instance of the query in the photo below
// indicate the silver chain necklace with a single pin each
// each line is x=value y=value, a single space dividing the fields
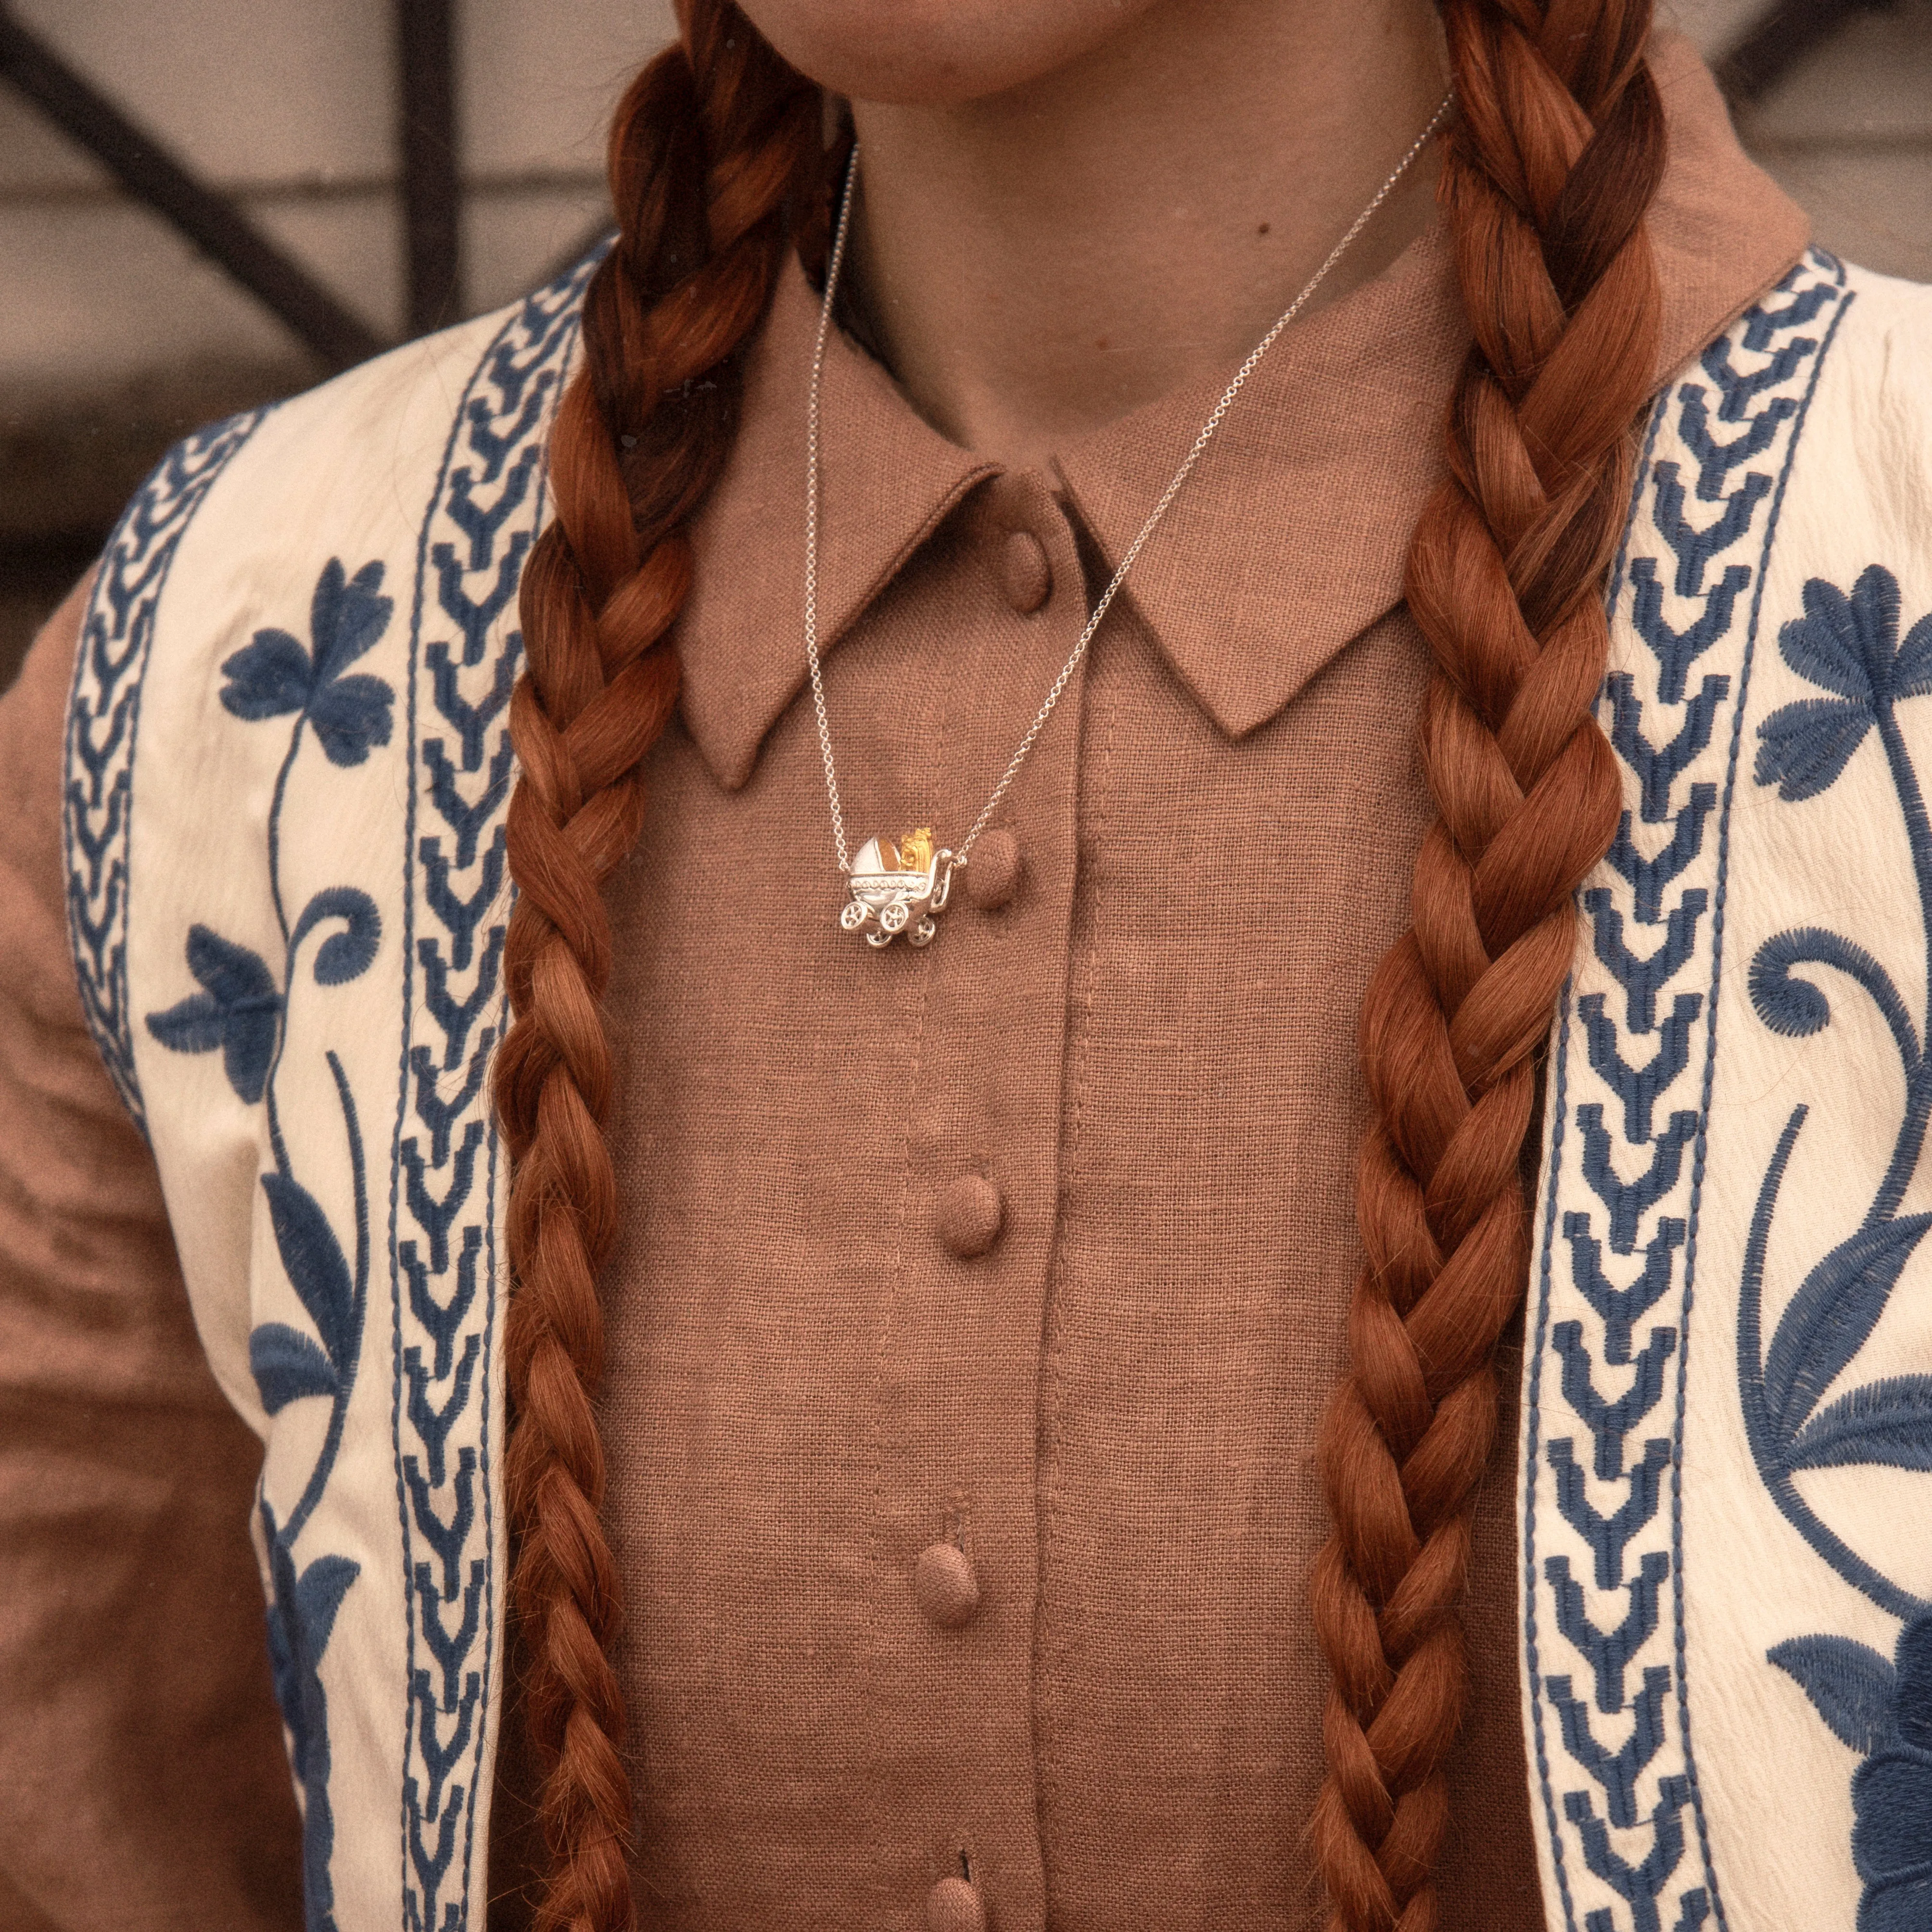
x=901 y=886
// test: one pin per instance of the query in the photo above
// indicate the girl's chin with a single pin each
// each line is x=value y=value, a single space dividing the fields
x=936 y=53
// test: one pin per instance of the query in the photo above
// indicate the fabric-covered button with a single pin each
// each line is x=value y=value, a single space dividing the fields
x=954 y=1906
x=943 y=1582
x=993 y=870
x=1025 y=575
x=971 y=1211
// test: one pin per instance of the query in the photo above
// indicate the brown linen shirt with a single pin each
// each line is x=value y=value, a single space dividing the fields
x=1031 y=1249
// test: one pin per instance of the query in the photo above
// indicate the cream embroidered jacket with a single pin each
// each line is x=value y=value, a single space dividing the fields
x=293 y=965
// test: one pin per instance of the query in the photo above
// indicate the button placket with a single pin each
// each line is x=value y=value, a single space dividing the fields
x=960 y=1362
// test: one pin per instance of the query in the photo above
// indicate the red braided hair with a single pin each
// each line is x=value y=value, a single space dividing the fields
x=1556 y=154
x=716 y=141
x=715 y=159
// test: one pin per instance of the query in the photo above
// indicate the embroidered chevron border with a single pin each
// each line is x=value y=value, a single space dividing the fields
x=1630 y=1081
x=104 y=717
x=464 y=654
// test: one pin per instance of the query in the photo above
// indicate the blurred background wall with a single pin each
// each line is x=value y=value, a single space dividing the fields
x=117 y=334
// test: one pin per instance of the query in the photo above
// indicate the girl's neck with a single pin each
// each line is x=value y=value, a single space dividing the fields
x=1038 y=263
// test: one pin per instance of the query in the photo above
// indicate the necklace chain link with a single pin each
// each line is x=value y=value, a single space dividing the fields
x=957 y=859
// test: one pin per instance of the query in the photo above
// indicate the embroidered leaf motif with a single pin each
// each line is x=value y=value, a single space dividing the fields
x=232 y=972
x=237 y=1010
x=272 y=675
x=268 y=677
x=284 y=1640
x=301 y=1620
x=319 y=1596
x=1832 y=1315
x=1850 y=1683
x=1888 y=1424
x=1803 y=747
x=286 y=1365
x=313 y=1258
x=346 y=616
x=350 y=715
x=192 y=1025
x=342 y=955
x=1848 y=646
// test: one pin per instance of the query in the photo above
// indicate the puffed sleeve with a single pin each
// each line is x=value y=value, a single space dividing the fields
x=142 y=1781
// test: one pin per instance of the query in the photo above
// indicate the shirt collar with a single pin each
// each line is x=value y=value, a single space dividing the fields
x=1303 y=504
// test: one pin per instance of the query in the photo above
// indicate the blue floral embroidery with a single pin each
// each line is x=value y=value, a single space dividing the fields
x=440 y=1196
x=242 y=1010
x=1891 y=1795
x=238 y=1010
x=1883 y=1711
x=299 y=1631
x=273 y=674
x=288 y=1365
x=1849 y=645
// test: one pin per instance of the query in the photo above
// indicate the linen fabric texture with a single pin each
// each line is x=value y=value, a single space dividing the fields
x=1145 y=1050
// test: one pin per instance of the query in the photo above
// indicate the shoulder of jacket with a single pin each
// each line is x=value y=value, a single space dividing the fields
x=1878 y=390
x=357 y=456
x=424 y=375
x=1888 y=326
x=1890 y=302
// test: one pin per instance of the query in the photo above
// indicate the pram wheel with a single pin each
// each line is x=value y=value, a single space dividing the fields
x=921 y=934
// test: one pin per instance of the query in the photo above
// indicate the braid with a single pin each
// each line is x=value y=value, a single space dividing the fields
x=1556 y=153
x=716 y=147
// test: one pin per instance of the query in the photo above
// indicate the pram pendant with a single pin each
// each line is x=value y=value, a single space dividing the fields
x=899 y=889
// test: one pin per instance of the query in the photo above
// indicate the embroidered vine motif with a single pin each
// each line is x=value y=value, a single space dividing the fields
x=1603 y=1632
x=1848 y=646
x=104 y=717
x=241 y=1011
x=481 y=519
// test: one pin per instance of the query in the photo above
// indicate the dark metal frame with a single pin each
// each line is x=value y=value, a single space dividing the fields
x=1780 y=40
x=432 y=197
x=427 y=128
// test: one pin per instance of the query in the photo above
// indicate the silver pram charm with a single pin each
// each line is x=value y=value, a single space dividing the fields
x=898 y=889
